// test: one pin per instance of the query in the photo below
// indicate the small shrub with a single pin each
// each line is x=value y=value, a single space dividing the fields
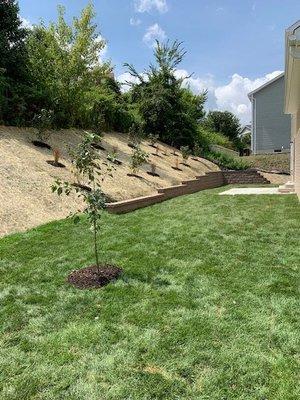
x=43 y=121
x=185 y=152
x=138 y=158
x=135 y=134
x=226 y=161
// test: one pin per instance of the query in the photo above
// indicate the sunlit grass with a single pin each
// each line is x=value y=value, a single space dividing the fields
x=207 y=308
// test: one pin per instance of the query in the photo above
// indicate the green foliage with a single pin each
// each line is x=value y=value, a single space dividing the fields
x=166 y=108
x=138 y=158
x=136 y=133
x=109 y=105
x=14 y=76
x=197 y=150
x=65 y=63
x=85 y=156
x=226 y=161
x=207 y=138
x=85 y=160
x=43 y=121
x=246 y=141
x=223 y=122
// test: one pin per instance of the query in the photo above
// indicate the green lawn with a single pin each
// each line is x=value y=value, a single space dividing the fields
x=208 y=307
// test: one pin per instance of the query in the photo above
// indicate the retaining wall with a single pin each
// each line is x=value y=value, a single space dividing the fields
x=208 y=181
x=244 y=177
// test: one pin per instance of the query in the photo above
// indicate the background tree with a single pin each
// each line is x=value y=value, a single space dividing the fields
x=165 y=106
x=69 y=76
x=14 y=75
x=223 y=122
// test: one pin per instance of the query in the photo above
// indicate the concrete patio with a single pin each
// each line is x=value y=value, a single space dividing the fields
x=252 y=190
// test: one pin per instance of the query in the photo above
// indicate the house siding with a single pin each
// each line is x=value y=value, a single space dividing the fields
x=272 y=127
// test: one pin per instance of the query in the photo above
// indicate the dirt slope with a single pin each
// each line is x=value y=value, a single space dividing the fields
x=26 y=177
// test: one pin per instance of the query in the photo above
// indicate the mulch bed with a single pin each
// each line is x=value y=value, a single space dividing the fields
x=135 y=176
x=57 y=165
x=98 y=146
x=177 y=169
x=43 y=145
x=93 y=277
x=152 y=173
x=84 y=187
x=131 y=145
x=114 y=161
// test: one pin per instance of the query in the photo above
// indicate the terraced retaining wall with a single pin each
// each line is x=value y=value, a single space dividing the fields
x=208 y=181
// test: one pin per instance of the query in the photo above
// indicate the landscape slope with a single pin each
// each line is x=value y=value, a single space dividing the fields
x=26 y=177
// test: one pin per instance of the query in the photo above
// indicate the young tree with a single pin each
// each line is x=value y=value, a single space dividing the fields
x=138 y=158
x=42 y=121
x=87 y=163
x=166 y=107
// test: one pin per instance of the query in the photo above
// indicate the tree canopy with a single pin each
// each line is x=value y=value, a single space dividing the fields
x=166 y=107
x=57 y=70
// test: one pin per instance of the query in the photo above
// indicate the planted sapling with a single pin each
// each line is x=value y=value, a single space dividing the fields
x=43 y=121
x=84 y=160
x=138 y=158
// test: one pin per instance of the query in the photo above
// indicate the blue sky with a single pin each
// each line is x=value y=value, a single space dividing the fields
x=232 y=46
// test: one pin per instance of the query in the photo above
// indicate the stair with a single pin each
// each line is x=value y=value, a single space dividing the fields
x=289 y=187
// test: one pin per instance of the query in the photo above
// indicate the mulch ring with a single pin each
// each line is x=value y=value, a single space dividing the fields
x=56 y=164
x=43 y=145
x=93 y=277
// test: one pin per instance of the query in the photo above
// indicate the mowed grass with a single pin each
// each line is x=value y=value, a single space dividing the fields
x=208 y=306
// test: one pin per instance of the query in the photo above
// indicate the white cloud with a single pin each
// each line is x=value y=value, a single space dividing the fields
x=154 y=32
x=142 y=6
x=26 y=23
x=135 y=21
x=234 y=96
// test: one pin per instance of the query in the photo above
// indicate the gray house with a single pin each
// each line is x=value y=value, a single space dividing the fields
x=270 y=126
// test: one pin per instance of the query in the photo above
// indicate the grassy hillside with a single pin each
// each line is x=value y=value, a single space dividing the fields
x=270 y=162
x=26 y=177
x=196 y=315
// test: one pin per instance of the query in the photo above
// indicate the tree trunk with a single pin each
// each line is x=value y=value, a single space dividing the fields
x=95 y=246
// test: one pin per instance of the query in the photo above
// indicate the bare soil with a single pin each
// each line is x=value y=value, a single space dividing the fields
x=25 y=176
